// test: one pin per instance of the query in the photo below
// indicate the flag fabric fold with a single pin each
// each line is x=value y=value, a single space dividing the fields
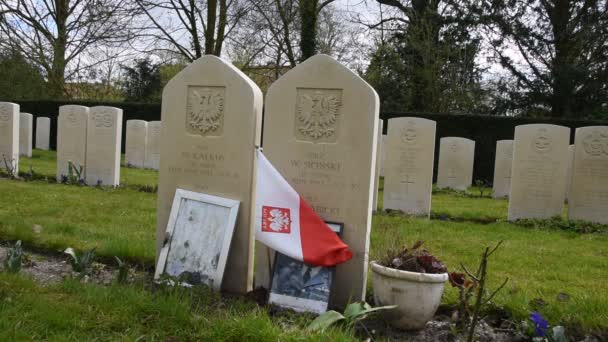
x=287 y=224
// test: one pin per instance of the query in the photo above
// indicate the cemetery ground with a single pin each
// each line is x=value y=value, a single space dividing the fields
x=555 y=268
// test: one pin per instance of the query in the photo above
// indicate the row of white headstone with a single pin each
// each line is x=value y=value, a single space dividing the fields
x=539 y=169
x=23 y=134
x=86 y=137
x=142 y=149
x=546 y=169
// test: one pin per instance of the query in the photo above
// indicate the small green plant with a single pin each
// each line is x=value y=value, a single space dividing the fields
x=123 y=271
x=14 y=257
x=481 y=186
x=9 y=166
x=473 y=285
x=74 y=175
x=81 y=263
x=353 y=314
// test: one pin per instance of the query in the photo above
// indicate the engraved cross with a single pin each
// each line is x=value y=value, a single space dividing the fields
x=407 y=181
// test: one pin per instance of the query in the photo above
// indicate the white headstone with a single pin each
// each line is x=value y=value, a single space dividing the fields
x=9 y=136
x=456 y=157
x=538 y=176
x=104 y=135
x=320 y=126
x=383 y=154
x=72 y=125
x=43 y=132
x=588 y=197
x=153 y=146
x=378 y=153
x=569 y=171
x=135 y=147
x=408 y=180
x=502 y=169
x=26 y=126
x=211 y=117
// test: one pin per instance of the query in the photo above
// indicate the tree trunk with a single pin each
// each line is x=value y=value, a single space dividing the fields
x=308 y=30
x=563 y=82
x=56 y=77
x=221 y=28
x=211 y=21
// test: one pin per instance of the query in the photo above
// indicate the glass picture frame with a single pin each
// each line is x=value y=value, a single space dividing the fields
x=301 y=287
x=197 y=239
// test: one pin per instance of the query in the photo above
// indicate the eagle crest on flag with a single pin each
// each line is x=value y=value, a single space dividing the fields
x=317 y=113
x=276 y=220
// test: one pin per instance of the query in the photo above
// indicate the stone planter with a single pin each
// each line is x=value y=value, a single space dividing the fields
x=417 y=295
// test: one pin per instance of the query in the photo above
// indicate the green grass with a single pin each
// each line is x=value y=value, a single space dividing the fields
x=44 y=163
x=118 y=222
x=72 y=311
x=540 y=263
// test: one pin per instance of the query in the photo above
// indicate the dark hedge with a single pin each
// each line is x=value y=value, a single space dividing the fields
x=485 y=130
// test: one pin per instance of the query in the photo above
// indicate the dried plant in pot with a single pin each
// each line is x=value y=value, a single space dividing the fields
x=413 y=279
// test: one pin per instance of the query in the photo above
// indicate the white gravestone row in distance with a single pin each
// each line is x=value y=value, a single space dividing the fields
x=408 y=174
x=104 y=133
x=43 y=132
x=26 y=123
x=502 y=169
x=456 y=156
x=540 y=162
x=72 y=125
x=135 y=146
x=9 y=136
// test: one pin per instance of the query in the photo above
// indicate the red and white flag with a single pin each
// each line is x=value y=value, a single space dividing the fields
x=287 y=224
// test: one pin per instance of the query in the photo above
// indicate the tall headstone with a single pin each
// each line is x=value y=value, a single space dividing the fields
x=538 y=176
x=320 y=126
x=104 y=135
x=571 y=149
x=9 y=136
x=378 y=153
x=135 y=146
x=588 y=197
x=72 y=125
x=456 y=157
x=408 y=179
x=152 y=160
x=43 y=132
x=502 y=169
x=211 y=117
x=26 y=126
x=382 y=155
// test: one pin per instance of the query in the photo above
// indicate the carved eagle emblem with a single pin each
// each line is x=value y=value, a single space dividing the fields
x=206 y=109
x=317 y=114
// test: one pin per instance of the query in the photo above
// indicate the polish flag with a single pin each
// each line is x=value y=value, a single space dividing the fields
x=287 y=224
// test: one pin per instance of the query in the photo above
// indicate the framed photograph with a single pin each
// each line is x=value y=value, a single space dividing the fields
x=197 y=240
x=299 y=286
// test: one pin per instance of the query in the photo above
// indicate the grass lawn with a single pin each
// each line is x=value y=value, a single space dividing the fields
x=71 y=311
x=540 y=263
x=44 y=163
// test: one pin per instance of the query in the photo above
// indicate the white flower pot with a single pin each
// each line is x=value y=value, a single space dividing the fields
x=417 y=295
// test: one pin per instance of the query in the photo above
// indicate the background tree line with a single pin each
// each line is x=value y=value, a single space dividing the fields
x=497 y=57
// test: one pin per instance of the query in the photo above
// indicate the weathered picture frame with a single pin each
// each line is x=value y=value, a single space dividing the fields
x=288 y=288
x=197 y=257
